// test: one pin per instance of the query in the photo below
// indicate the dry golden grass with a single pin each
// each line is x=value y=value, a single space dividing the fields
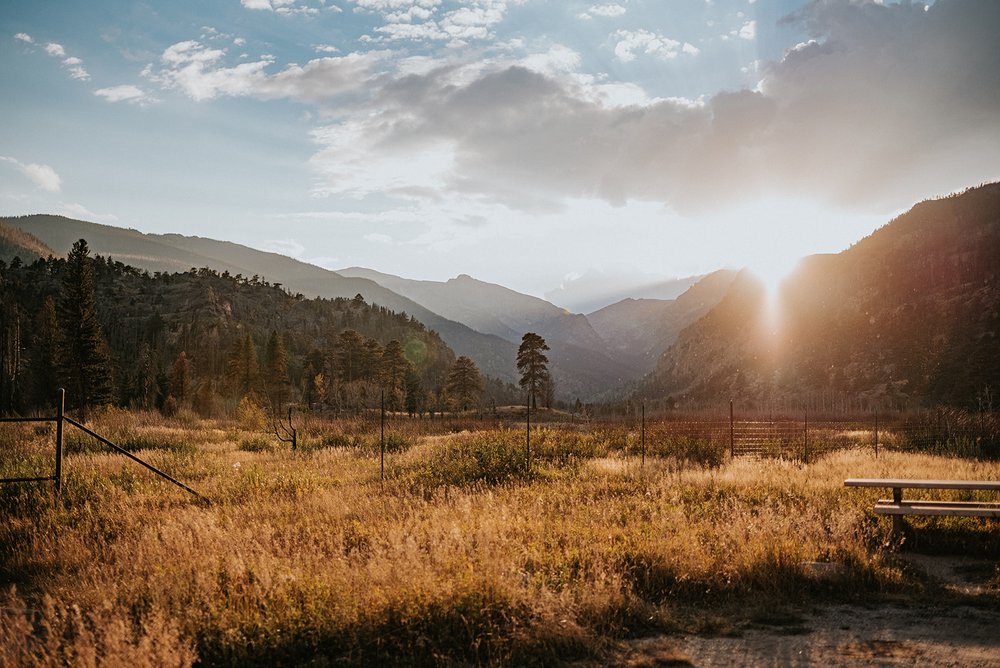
x=461 y=555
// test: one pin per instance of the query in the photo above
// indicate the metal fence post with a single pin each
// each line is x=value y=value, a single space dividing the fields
x=60 y=409
x=805 y=436
x=382 y=439
x=642 y=439
x=732 y=447
x=876 y=433
x=527 y=436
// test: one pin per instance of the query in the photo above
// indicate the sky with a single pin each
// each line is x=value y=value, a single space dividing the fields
x=549 y=146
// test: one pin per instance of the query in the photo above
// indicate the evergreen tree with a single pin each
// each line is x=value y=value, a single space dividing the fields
x=415 y=395
x=180 y=378
x=241 y=366
x=349 y=354
x=276 y=371
x=464 y=384
x=393 y=368
x=371 y=360
x=45 y=354
x=533 y=365
x=10 y=353
x=84 y=354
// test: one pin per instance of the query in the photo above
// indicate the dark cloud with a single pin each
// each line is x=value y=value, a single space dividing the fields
x=886 y=105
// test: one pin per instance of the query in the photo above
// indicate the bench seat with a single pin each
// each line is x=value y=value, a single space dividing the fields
x=945 y=508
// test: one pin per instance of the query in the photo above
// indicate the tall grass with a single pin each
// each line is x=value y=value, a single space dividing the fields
x=465 y=553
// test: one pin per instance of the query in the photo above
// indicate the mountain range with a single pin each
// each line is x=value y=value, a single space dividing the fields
x=481 y=320
x=908 y=316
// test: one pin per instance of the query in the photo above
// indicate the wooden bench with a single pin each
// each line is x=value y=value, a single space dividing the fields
x=897 y=507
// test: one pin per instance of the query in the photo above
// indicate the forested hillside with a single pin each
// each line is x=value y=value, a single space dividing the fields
x=908 y=316
x=204 y=340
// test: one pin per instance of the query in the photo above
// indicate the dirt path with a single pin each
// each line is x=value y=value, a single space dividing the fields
x=963 y=630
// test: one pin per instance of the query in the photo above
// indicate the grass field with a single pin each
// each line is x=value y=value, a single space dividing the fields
x=462 y=555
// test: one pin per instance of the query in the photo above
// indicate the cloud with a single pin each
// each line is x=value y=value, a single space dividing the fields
x=76 y=210
x=76 y=70
x=630 y=42
x=286 y=7
x=379 y=238
x=604 y=11
x=196 y=70
x=72 y=64
x=748 y=30
x=289 y=247
x=125 y=93
x=416 y=20
x=42 y=176
x=885 y=105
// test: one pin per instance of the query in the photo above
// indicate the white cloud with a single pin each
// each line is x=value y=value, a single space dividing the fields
x=54 y=49
x=76 y=210
x=325 y=48
x=631 y=42
x=604 y=11
x=289 y=247
x=378 y=237
x=533 y=138
x=24 y=37
x=415 y=20
x=197 y=71
x=125 y=93
x=748 y=30
x=75 y=67
x=42 y=176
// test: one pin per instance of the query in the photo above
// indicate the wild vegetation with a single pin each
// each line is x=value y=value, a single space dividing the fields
x=464 y=553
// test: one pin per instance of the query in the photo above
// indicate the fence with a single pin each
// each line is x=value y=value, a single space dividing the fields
x=61 y=418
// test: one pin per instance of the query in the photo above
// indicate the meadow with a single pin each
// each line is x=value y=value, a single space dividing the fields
x=462 y=554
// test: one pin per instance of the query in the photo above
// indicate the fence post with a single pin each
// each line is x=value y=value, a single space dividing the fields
x=732 y=447
x=527 y=435
x=642 y=439
x=876 y=433
x=60 y=408
x=382 y=438
x=805 y=436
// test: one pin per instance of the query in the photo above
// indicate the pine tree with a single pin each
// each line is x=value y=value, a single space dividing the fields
x=393 y=367
x=84 y=354
x=241 y=367
x=276 y=371
x=349 y=353
x=180 y=378
x=10 y=353
x=464 y=384
x=532 y=364
x=45 y=354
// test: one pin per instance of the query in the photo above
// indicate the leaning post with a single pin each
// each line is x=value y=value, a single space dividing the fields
x=60 y=409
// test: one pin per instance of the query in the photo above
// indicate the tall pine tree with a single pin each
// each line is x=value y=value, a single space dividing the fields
x=533 y=365
x=86 y=361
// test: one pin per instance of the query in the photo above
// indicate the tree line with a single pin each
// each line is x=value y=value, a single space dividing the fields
x=204 y=341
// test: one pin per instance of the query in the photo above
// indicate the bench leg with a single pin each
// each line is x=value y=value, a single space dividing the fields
x=897 y=520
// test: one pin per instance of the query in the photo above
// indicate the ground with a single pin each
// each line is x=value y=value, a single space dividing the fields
x=962 y=630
